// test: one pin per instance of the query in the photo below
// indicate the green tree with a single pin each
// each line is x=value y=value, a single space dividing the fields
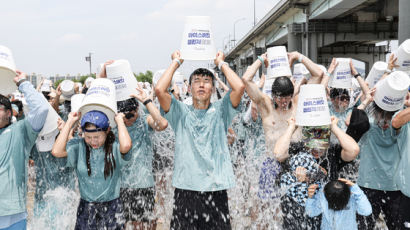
x=144 y=77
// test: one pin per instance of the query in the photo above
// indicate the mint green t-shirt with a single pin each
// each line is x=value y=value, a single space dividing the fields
x=379 y=158
x=402 y=176
x=138 y=171
x=16 y=142
x=95 y=188
x=202 y=161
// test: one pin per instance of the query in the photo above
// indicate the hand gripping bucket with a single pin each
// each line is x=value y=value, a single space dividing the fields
x=101 y=97
x=67 y=89
x=342 y=75
x=391 y=91
x=7 y=71
x=76 y=102
x=312 y=109
x=121 y=74
x=278 y=62
x=403 y=56
x=300 y=72
x=376 y=73
x=197 y=40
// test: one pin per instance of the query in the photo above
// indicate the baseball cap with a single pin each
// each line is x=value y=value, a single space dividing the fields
x=97 y=118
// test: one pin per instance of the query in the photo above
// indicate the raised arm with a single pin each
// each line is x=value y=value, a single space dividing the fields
x=313 y=68
x=330 y=70
x=233 y=79
x=123 y=135
x=281 y=149
x=252 y=88
x=350 y=148
x=161 y=89
x=362 y=83
x=402 y=117
x=59 y=147
x=155 y=120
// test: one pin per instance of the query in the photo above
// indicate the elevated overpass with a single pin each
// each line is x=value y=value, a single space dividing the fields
x=323 y=29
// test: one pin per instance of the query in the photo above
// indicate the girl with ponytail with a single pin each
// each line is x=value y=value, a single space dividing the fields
x=97 y=157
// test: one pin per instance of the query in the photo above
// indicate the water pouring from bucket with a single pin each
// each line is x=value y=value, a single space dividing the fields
x=7 y=71
x=197 y=39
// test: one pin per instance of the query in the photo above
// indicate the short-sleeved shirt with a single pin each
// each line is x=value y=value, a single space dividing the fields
x=95 y=188
x=138 y=171
x=16 y=142
x=403 y=172
x=379 y=158
x=202 y=161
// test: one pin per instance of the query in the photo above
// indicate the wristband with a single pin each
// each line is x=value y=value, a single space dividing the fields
x=357 y=75
x=147 y=101
x=300 y=59
x=261 y=59
x=177 y=60
x=220 y=64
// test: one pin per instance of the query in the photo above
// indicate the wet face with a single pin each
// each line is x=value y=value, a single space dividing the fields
x=130 y=117
x=201 y=87
x=4 y=116
x=317 y=153
x=341 y=102
x=95 y=139
x=383 y=120
x=283 y=101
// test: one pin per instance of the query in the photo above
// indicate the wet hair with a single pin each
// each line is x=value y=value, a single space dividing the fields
x=375 y=109
x=7 y=105
x=109 y=159
x=127 y=105
x=282 y=87
x=335 y=92
x=337 y=195
x=202 y=72
x=67 y=106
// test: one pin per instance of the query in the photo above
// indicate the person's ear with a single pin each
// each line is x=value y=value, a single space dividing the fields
x=189 y=88
x=8 y=113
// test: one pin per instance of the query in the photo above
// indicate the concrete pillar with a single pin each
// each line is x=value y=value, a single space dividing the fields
x=404 y=20
x=313 y=47
x=294 y=42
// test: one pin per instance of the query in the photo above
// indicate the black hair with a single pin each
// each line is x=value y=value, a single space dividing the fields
x=202 y=72
x=335 y=92
x=109 y=159
x=7 y=105
x=337 y=195
x=282 y=87
x=46 y=95
x=127 y=105
x=19 y=104
x=375 y=109
x=67 y=106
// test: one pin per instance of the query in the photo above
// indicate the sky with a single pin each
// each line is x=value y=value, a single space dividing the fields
x=52 y=37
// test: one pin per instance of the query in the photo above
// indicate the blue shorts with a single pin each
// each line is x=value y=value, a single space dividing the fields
x=21 y=225
x=100 y=215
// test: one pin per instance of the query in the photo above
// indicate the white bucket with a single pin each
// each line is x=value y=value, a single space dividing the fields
x=88 y=81
x=7 y=71
x=76 y=102
x=80 y=86
x=178 y=80
x=121 y=74
x=67 y=89
x=197 y=40
x=46 y=86
x=342 y=75
x=403 y=56
x=51 y=121
x=300 y=72
x=278 y=62
x=377 y=71
x=101 y=97
x=391 y=91
x=312 y=107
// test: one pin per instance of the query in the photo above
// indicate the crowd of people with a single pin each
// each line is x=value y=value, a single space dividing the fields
x=344 y=175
